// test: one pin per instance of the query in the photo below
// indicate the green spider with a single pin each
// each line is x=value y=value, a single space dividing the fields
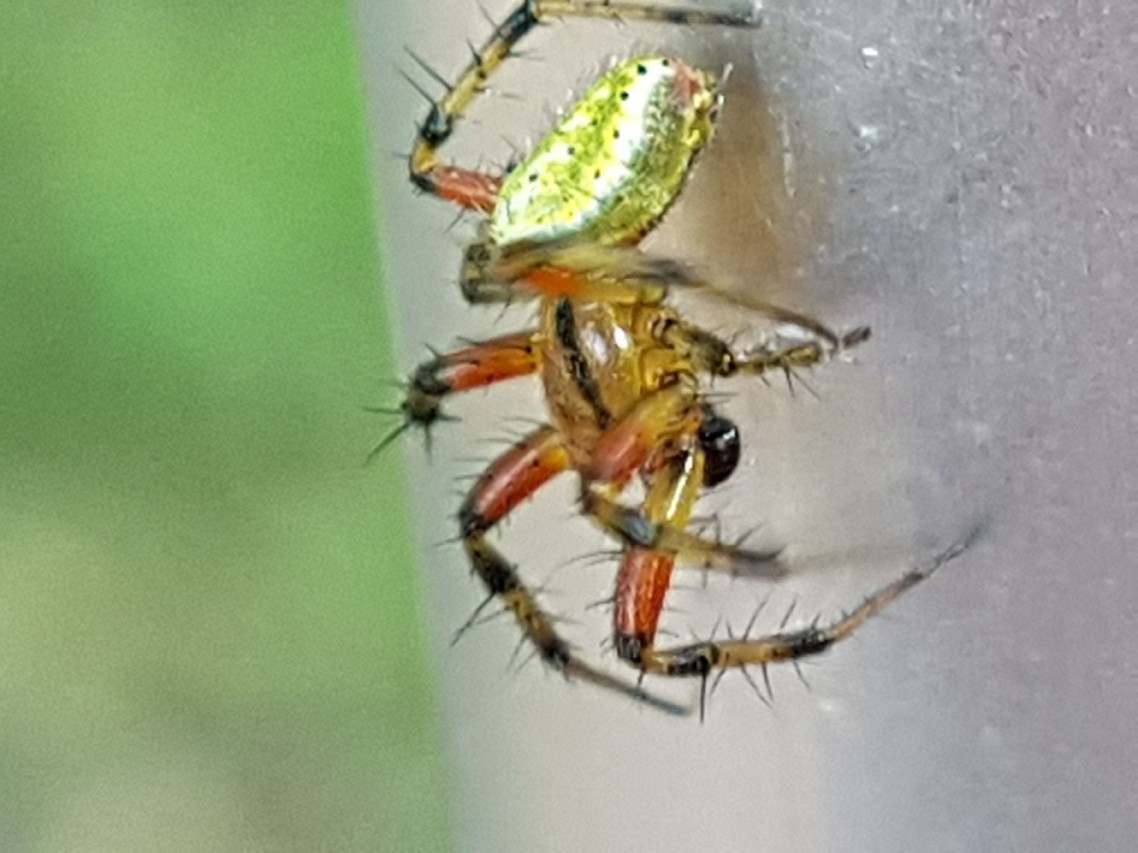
x=621 y=369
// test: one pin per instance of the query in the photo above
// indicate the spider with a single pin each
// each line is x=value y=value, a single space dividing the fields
x=623 y=372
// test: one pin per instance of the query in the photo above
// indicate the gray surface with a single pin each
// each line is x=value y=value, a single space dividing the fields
x=962 y=176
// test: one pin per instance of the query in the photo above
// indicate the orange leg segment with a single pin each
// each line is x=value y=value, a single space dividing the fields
x=485 y=362
x=474 y=366
x=514 y=476
x=464 y=187
x=646 y=573
x=655 y=422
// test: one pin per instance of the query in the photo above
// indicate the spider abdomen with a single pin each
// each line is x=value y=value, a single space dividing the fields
x=615 y=162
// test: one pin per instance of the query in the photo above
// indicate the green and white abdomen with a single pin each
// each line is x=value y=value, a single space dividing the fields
x=615 y=162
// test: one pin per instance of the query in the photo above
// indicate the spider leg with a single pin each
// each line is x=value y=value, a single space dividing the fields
x=476 y=365
x=660 y=420
x=646 y=569
x=638 y=530
x=794 y=341
x=699 y=659
x=573 y=268
x=588 y=271
x=583 y=270
x=477 y=190
x=512 y=478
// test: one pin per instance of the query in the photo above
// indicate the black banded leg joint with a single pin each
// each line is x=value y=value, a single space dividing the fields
x=810 y=641
x=501 y=579
x=437 y=126
x=698 y=660
x=520 y=21
x=630 y=647
x=472 y=525
x=634 y=528
x=425 y=394
x=424 y=181
x=496 y=573
x=479 y=288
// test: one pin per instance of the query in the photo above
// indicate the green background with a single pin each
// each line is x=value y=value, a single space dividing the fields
x=209 y=624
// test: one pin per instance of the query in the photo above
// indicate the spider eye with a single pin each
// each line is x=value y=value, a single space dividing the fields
x=719 y=440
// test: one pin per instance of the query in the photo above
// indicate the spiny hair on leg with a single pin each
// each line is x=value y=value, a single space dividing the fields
x=477 y=617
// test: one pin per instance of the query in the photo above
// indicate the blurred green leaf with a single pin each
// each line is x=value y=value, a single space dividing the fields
x=210 y=611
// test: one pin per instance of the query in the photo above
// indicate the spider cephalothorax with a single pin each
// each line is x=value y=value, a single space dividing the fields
x=623 y=371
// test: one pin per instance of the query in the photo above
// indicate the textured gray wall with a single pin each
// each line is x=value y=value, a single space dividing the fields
x=962 y=176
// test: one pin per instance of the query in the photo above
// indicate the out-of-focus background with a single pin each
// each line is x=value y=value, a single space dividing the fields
x=963 y=177
x=210 y=636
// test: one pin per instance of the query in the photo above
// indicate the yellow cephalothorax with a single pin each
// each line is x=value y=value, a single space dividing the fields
x=622 y=371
